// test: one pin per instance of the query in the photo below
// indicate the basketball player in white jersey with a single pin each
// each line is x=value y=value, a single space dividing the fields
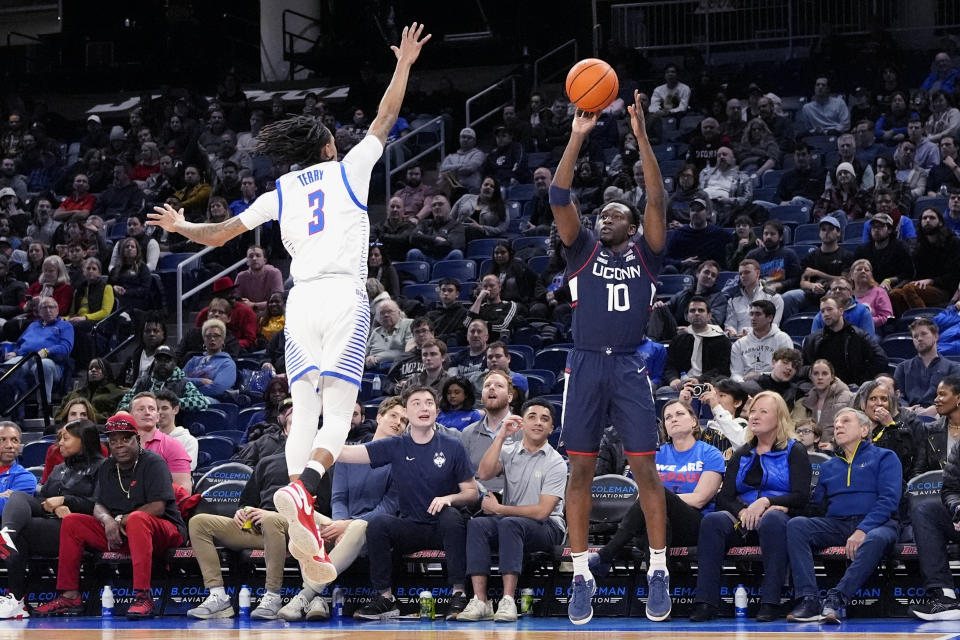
x=323 y=221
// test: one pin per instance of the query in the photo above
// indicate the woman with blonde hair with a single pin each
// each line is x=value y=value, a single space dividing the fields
x=758 y=150
x=828 y=395
x=54 y=281
x=869 y=292
x=766 y=482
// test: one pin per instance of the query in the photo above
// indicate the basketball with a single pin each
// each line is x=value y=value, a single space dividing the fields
x=592 y=85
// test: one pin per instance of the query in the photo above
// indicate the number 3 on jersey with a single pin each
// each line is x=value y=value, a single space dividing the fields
x=315 y=200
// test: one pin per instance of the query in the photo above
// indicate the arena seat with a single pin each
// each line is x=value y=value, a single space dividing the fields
x=225 y=472
x=537 y=242
x=426 y=291
x=538 y=264
x=34 y=453
x=221 y=499
x=462 y=270
x=481 y=248
x=417 y=270
x=552 y=359
x=671 y=283
x=898 y=346
x=799 y=324
x=791 y=213
x=217 y=447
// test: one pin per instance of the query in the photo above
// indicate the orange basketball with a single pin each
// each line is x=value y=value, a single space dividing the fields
x=592 y=85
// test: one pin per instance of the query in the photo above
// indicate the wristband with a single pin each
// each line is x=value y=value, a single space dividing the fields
x=559 y=196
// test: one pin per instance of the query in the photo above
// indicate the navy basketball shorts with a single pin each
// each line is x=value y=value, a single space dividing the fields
x=603 y=390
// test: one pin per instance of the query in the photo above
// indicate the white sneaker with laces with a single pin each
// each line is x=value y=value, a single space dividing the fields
x=506 y=610
x=294 y=610
x=212 y=607
x=269 y=607
x=11 y=608
x=318 y=609
x=476 y=610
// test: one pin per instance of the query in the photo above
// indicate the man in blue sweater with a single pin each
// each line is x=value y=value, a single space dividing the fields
x=51 y=337
x=859 y=491
x=854 y=313
x=13 y=477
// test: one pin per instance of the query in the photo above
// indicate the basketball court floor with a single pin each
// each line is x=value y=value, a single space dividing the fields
x=179 y=628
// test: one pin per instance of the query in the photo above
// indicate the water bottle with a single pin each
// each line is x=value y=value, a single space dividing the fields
x=106 y=600
x=375 y=385
x=944 y=192
x=244 y=602
x=338 y=598
x=740 y=601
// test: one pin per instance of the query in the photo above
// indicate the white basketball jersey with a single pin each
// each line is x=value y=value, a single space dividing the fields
x=323 y=215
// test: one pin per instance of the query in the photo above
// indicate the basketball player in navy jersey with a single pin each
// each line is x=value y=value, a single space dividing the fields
x=612 y=277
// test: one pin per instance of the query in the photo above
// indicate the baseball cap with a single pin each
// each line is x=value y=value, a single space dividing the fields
x=882 y=217
x=699 y=201
x=121 y=422
x=95 y=118
x=831 y=220
x=163 y=350
x=223 y=284
x=467 y=131
x=846 y=166
x=116 y=133
x=7 y=191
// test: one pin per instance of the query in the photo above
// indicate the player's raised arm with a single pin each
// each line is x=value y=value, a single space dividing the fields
x=407 y=53
x=654 y=216
x=564 y=212
x=212 y=234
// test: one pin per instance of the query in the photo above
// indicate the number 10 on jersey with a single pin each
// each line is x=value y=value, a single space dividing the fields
x=315 y=200
x=618 y=297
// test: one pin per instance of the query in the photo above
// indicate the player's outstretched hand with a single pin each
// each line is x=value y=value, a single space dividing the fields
x=165 y=217
x=637 y=121
x=410 y=43
x=583 y=122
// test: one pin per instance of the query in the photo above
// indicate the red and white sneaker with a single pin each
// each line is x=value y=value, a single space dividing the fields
x=295 y=504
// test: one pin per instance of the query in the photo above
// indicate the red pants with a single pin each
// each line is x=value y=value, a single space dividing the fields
x=146 y=534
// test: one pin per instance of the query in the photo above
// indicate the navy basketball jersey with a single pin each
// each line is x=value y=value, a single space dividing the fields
x=612 y=293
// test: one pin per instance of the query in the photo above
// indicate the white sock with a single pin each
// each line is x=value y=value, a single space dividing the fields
x=950 y=593
x=658 y=560
x=219 y=593
x=581 y=566
x=316 y=466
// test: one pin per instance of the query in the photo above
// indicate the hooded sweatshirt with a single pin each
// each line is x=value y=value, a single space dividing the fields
x=704 y=356
x=751 y=354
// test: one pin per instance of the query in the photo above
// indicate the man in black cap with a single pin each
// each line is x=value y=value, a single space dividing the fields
x=135 y=513
x=165 y=374
x=507 y=163
x=892 y=264
x=692 y=244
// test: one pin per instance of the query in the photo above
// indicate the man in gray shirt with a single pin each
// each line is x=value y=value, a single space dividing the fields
x=496 y=394
x=530 y=518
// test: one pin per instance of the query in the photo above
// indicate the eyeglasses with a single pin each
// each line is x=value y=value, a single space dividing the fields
x=213 y=335
x=804 y=432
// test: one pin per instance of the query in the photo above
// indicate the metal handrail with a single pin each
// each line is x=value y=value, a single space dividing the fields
x=536 y=63
x=40 y=384
x=288 y=50
x=442 y=144
x=181 y=296
x=512 y=79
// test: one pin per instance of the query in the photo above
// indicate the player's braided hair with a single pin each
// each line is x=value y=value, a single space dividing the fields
x=299 y=139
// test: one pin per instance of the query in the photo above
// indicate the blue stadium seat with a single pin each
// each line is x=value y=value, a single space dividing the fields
x=218 y=448
x=246 y=415
x=908 y=316
x=552 y=359
x=466 y=291
x=417 y=270
x=531 y=241
x=928 y=202
x=898 y=346
x=548 y=377
x=798 y=325
x=34 y=453
x=797 y=214
x=211 y=419
x=482 y=248
x=850 y=246
x=803 y=250
x=853 y=232
x=767 y=194
x=462 y=270
x=520 y=192
x=538 y=264
x=538 y=159
x=672 y=283
x=231 y=410
x=724 y=277
x=235 y=435
x=665 y=151
x=807 y=234
x=771 y=179
x=521 y=357
x=484 y=268
x=426 y=291
x=537 y=384
x=171 y=260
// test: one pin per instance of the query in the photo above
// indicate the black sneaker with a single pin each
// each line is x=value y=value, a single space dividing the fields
x=458 y=602
x=380 y=608
x=768 y=612
x=939 y=608
x=834 y=608
x=703 y=612
x=807 y=611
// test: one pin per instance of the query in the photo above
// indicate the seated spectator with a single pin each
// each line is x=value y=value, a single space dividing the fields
x=12 y=289
x=805 y=180
x=192 y=342
x=163 y=373
x=672 y=97
x=700 y=354
x=729 y=188
x=122 y=198
x=898 y=431
x=808 y=434
x=679 y=203
x=135 y=513
x=952 y=214
x=891 y=127
x=16 y=478
x=464 y=164
x=732 y=124
x=266 y=438
x=869 y=293
x=28 y=528
x=474 y=357
x=918 y=377
x=943 y=75
x=483 y=215
x=272 y=319
x=410 y=362
x=726 y=400
x=414 y=193
x=696 y=242
x=908 y=170
x=448 y=315
x=779 y=266
x=705 y=285
x=456 y=404
x=892 y=197
x=948 y=321
x=381 y=269
x=844 y=197
x=820 y=267
x=506 y=163
x=214 y=372
x=868 y=149
x=428 y=508
x=855 y=355
x=503 y=316
x=98 y=388
x=144 y=409
x=783 y=377
x=389 y=339
x=690 y=470
x=131 y=278
x=758 y=150
x=393 y=234
x=827 y=395
x=51 y=337
x=752 y=355
x=497 y=357
x=859 y=497
x=438 y=236
x=939 y=438
x=945 y=174
x=92 y=302
x=847 y=153
x=737 y=319
x=937 y=266
x=258 y=280
x=825 y=114
x=742 y=242
x=536 y=214
x=243 y=321
x=516 y=279
x=53 y=281
x=551 y=293
x=891 y=261
x=42 y=223
x=168 y=407
x=759 y=500
x=528 y=519
x=703 y=148
x=854 y=312
x=195 y=193
x=780 y=125
x=433 y=353
x=151 y=332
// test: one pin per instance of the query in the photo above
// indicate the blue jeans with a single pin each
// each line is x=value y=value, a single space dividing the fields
x=416 y=254
x=717 y=535
x=513 y=535
x=805 y=534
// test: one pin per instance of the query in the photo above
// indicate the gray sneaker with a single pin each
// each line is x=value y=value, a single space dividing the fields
x=294 y=610
x=269 y=607
x=506 y=610
x=318 y=609
x=212 y=607
x=476 y=610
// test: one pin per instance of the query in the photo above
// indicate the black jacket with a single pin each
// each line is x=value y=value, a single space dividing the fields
x=950 y=491
x=931 y=446
x=716 y=357
x=75 y=479
x=855 y=356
